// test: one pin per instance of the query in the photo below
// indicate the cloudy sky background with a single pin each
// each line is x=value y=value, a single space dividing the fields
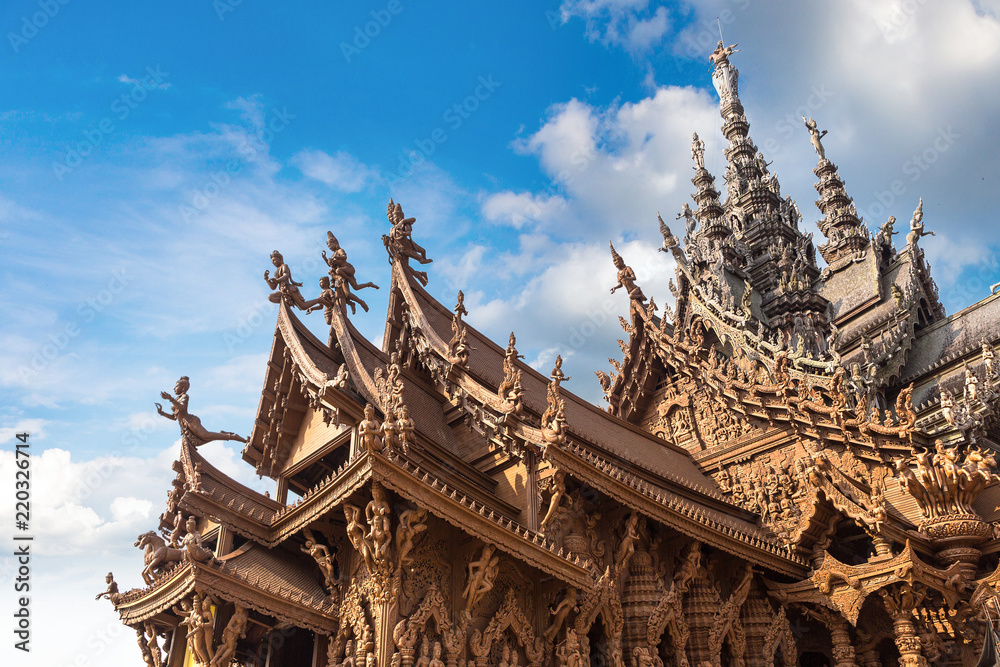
x=152 y=155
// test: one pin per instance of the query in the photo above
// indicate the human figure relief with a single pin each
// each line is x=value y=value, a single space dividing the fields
x=424 y=660
x=369 y=431
x=988 y=358
x=412 y=522
x=189 y=423
x=194 y=552
x=235 y=629
x=112 y=591
x=405 y=428
x=560 y=612
x=669 y=240
x=389 y=431
x=349 y=659
x=436 y=659
x=626 y=278
x=558 y=491
x=482 y=573
x=286 y=289
x=326 y=300
x=917 y=226
x=339 y=266
x=697 y=152
x=627 y=546
x=323 y=557
x=147 y=657
x=399 y=241
x=815 y=136
x=356 y=534
x=379 y=522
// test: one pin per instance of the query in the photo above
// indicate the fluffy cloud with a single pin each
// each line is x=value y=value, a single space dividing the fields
x=629 y=24
x=341 y=171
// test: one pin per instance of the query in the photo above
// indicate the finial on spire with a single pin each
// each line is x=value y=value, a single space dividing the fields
x=698 y=151
x=815 y=137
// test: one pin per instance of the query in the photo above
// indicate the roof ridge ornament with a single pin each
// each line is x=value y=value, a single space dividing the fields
x=725 y=78
x=626 y=277
x=399 y=242
x=192 y=430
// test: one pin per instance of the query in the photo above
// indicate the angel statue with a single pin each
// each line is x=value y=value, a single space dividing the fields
x=189 y=423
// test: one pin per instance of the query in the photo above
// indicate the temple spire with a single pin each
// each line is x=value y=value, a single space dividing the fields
x=846 y=234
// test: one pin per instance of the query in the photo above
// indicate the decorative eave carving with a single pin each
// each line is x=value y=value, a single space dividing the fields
x=845 y=587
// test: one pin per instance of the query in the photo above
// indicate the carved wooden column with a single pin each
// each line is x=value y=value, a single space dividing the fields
x=900 y=604
x=843 y=649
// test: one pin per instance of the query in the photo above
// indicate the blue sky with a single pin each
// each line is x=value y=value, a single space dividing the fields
x=152 y=155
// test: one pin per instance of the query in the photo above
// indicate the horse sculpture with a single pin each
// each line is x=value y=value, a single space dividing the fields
x=157 y=554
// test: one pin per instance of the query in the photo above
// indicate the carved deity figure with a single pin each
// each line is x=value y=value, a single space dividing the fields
x=725 y=78
x=482 y=573
x=557 y=376
x=379 y=523
x=112 y=591
x=641 y=657
x=174 y=539
x=147 y=657
x=917 y=225
x=286 y=289
x=948 y=408
x=569 y=654
x=989 y=359
x=339 y=266
x=560 y=612
x=436 y=657
x=324 y=560
x=405 y=428
x=389 y=431
x=194 y=552
x=627 y=546
x=690 y=222
x=399 y=241
x=669 y=240
x=198 y=619
x=815 y=136
x=698 y=151
x=369 y=431
x=189 y=423
x=349 y=659
x=971 y=385
x=412 y=523
x=424 y=660
x=235 y=629
x=558 y=491
x=356 y=534
x=626 y=278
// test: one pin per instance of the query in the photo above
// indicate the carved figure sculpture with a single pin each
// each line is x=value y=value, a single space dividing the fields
x=627 y=546
x=157 y=554
x=189 y=423
x=482 y=573
x=324 y=559
x=194 y=552
x=436 y=659
x=725 y=78
x=424 y=660
x=369 y=431
x=988 y=359
x=234 y=631
x=626 y=278
x=339 y=266
x=405 y=428
x=286 y=289
x=669 y=240
x=349 y=659
x=698 y=151
x=948 y=408
x=917 y=226
x=971 y=385
x=199 y=621
x=112 y=591
x=558 y=491
x=815 y=136
x=560 y=612
x=147 y=656
x=378 y=514
x=412 y=523
x=389 y=431
x=399 y=241
x=356 y=535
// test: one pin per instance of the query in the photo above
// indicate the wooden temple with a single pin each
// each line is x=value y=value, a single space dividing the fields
x=795 y=467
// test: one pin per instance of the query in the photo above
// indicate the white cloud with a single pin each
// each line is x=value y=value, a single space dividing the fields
x=341 y=171
x=630 y=24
